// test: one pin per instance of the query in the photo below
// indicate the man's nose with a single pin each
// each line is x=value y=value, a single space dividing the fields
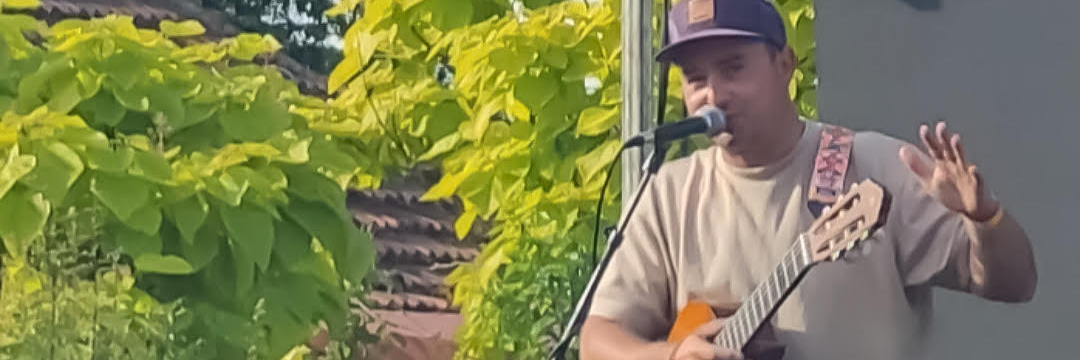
x=719 y=96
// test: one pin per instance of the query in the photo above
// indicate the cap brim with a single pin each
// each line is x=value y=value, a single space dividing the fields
x=666 y=52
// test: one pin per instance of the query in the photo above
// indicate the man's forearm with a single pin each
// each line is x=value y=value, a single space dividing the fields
x=1002 y=263
x=603 y=339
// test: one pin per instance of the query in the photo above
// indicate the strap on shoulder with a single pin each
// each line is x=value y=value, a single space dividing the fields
x=830 y=167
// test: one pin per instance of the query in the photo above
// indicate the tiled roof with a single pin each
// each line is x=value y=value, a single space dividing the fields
x=416 y=246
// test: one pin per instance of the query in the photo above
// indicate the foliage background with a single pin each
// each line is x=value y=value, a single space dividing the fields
x=519 y=103
x=210 y=179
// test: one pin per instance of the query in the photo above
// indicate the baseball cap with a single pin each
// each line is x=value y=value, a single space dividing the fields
x=692 y=20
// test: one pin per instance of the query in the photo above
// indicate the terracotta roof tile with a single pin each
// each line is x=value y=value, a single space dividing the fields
x=408 y=301
x=141 y=12
x=405 y=245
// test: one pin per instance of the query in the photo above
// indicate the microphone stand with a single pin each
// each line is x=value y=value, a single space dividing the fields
x=650 y=167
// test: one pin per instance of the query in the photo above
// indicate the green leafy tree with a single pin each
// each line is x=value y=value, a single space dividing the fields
x=519 y=102
x=221 y=186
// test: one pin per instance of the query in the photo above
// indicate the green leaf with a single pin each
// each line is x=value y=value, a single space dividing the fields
x=535 y=91
x=183 y=28
x=291 y=243
x=65 y=96
x=262 y=120
x=136 y=243
x=244 y=266
x=146 y=219
x=188 y=215
x=110 y=160
x=22 y=216
x=597 y=120
x=203 y=248
x=167 y=264
x=120 y=193
x=442 y=146
x=447 y=15
x=556 y=57
x=512 y=60
x=102 y=109
x=596 y=161
x=194 y=114
x=227 y=188
x=14 y=169
x=252 y=232
x=133 y=98
x=325 y=224
x=445 y=117
x=123 y=68
x=167 y=100
x=57 y=168
x=151 y=166
x=497 y=133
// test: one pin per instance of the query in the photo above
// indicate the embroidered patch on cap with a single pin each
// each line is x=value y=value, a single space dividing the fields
x=700 y=10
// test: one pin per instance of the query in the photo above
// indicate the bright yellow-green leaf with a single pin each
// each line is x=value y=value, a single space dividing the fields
x=442 y=146
x=343 y=7
x=465 y=221
x=183 y=28
x=597 y=120
x=246 y=46
x=596 y=161
x=344 y=71
x=20 y=4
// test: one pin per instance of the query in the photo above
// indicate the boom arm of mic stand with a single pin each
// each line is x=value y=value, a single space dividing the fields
x=652 y=164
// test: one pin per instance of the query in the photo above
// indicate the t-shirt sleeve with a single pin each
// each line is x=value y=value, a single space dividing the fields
x=635 y=289
x=931 y=244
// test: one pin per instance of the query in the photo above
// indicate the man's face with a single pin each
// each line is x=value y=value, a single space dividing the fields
x=742 y=77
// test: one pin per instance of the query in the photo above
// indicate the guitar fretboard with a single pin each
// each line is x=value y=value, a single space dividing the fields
x=763 y=301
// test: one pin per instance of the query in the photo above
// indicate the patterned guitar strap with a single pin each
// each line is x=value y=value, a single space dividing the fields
x=830 y=167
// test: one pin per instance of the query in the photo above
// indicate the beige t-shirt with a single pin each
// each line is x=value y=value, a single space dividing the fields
x=708 y=231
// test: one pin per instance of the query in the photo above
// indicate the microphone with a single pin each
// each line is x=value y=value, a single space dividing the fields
x=708 y=120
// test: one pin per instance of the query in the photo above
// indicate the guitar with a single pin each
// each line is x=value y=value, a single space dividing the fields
x=837 y=234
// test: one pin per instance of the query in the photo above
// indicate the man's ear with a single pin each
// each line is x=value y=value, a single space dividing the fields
x=787 y=61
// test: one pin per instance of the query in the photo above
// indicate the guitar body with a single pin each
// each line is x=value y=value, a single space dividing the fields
x=691 y=317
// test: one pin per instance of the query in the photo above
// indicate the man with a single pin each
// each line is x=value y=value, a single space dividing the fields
x=714 y=224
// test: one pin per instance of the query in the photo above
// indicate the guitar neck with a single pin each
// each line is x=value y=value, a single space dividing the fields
x=766 y=298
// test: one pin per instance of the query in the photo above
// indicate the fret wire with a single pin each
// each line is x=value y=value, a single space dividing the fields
x=752 y=304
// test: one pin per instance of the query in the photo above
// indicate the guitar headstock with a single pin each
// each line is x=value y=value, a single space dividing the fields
x=849 y=222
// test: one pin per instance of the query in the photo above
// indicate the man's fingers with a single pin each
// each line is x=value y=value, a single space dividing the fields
x=929 y=142
x=958 y=148
x=710 y=328
x=942 y=141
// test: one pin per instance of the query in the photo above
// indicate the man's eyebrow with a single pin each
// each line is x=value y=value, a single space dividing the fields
x=729 y=58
